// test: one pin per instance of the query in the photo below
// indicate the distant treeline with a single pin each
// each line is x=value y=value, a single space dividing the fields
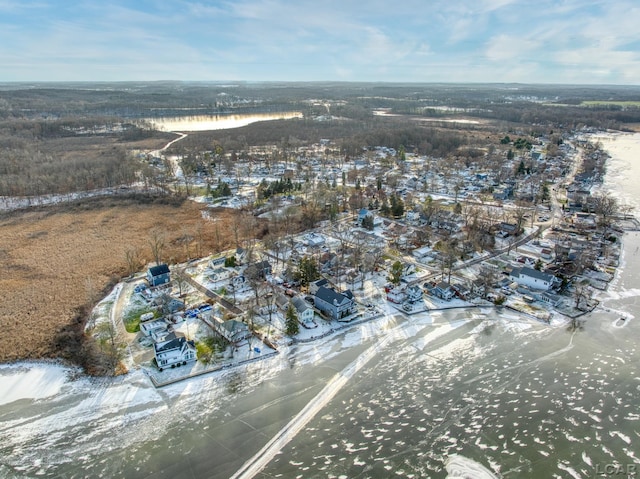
x=39 y=157
x=353 y=100
x=353 y=136
x=31 y=172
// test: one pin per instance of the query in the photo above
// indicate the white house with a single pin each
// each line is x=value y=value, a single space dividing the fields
x=174 y=351
x=422 y=253
x=217 y=262
x=396 y=295
x=234 y=331
x=441 y=290
x=532 y=278
x=156 y=327
x=238 y=284
x=413 y=293
x=304 y=311
x=219 y=274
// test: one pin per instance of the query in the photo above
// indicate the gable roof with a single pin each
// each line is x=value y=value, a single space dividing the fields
x=233 y=325
x=159 y=269
x=331 y=296
x=320 y=282
x=171 y=341
x=300 y=304
x=532 y=273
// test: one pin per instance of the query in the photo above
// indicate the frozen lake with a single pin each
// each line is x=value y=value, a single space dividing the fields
x=430 y=396
x=216 y=122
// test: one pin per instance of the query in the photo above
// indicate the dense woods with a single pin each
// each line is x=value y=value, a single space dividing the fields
x=70 y=138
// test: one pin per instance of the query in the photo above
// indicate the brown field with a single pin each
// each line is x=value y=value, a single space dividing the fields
x=55 y=261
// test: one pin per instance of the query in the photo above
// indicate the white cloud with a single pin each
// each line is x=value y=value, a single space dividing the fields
x=507 y=47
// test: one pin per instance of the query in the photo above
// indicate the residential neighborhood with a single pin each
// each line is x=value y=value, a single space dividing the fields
x=403 y=235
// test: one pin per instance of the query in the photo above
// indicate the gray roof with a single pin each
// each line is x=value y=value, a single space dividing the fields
x=331 y=296
x=532 y=273
x=171 y=342
x=300 y=304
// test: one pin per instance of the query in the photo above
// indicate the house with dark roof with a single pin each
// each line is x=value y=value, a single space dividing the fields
x=232 y=330
x=442 y=290
x=333 y=304
x=174 y=350
x=508 y=229
x=315 y=285
x=259 y=269
x=158 y=275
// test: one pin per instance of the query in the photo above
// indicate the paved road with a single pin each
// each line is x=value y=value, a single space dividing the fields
x=210 y=294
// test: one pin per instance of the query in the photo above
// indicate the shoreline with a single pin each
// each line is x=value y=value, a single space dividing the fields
x=614 y=136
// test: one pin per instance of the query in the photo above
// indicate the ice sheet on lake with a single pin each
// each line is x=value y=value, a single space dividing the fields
x=460 y=467
x=31 y=381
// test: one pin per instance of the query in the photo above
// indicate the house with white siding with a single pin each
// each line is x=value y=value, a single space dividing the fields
x=174 y=350
x=532 y=278
x=304 y=311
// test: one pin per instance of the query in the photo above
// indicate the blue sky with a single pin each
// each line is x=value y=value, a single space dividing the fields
x=543 y=41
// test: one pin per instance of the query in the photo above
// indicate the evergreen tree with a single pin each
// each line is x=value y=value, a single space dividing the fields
x=396 y=273
x=402 y=156
x=292 y=325
x=307 y=271
x=367 y=222
x=397 y=206
x=384 y=208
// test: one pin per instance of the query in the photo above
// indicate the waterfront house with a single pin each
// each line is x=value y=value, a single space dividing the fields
x=478 y=287
x=413 y=293
x=532 y=278
x=396 y=295
x=304 y=311
x=441 y=290
x=156 y=326
x=333 y=304
x=232 y=330
x=174 y=350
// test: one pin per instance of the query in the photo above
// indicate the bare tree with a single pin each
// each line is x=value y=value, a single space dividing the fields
x=157 y=241
x=180 y=279
x=605 y=206
x=582 y=294
x=133 y=259
x=106 y=336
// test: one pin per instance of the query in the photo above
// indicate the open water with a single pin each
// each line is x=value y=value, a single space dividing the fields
x=438 y=396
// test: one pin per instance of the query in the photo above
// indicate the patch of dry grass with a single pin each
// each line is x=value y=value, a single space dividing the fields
x=54 y=261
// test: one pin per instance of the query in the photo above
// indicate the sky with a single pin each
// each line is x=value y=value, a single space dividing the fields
x=539 y=41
